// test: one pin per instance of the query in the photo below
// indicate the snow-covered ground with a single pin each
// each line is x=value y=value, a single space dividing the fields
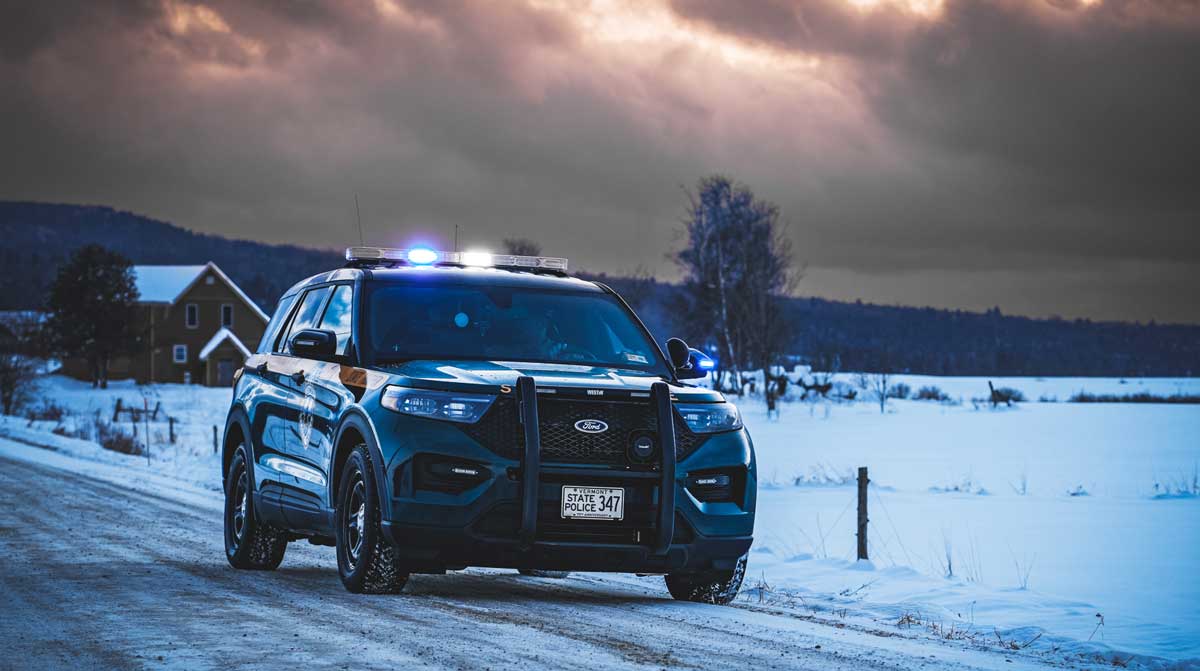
x=1050 y=516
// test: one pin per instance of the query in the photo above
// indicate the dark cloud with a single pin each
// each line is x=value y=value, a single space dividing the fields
x=1029 y=155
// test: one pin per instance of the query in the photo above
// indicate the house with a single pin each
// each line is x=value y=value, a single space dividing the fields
x=197 y=327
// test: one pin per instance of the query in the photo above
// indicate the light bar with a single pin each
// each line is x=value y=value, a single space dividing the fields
x=422 y=256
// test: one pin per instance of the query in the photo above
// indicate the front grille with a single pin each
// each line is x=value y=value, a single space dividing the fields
x=500 y=431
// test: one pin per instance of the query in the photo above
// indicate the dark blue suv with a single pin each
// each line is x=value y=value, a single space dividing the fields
x=423 y=411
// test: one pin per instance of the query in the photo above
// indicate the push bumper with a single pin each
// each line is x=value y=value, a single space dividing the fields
x=512 y=519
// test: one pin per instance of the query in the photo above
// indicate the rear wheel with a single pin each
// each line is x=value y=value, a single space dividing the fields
x=719 y=587
x=249 y=542
x=367 y=562
x=538 y=573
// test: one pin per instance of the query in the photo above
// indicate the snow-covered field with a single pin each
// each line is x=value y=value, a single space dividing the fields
x=1072 y=521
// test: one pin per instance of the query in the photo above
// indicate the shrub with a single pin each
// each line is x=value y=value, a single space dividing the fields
x=1140 y=397
x=899 y=390
x=931 y=393
x=112 y=438
x=47 y=412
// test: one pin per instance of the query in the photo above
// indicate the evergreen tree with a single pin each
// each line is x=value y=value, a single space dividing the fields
x=91 y=309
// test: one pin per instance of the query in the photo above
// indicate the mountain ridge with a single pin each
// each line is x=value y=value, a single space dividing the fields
x=849 y=335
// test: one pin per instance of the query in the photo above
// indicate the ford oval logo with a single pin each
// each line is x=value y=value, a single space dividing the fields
x=591 y=426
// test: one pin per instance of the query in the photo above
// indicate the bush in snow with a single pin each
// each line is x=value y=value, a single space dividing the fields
x=112 y=438
x=899 y=390
x=1140 y=397
x=931 y=393
x=48 y=411
x=1180 y=488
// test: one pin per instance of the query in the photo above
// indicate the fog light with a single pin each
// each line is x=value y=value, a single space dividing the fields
x=712 y=487
x=452 y=477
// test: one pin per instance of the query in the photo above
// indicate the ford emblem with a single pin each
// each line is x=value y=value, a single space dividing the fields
x=591 y=426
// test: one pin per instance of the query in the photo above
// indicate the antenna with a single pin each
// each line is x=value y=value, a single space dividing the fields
x=456 y=237
x=358 y=215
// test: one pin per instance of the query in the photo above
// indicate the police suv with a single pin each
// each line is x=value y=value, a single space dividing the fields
x=424 y=411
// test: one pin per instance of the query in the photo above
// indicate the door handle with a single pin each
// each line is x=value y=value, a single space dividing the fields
x=298 y=377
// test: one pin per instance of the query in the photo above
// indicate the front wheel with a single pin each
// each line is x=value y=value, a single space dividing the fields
x=719 y=587
x=249 y=542
x=367 y=562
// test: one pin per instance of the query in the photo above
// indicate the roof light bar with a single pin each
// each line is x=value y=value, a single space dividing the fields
x=423 y=256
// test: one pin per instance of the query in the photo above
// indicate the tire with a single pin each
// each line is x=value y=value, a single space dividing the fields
x=367 y=562
x=716 y=587
x=539 y=573
x=250 y=543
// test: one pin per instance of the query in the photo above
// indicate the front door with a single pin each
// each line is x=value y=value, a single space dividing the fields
x=291 y=428
x=225 y=372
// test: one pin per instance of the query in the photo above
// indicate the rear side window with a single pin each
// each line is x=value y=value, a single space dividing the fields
x=337 y=317
x=272 y=332
x=306 y=315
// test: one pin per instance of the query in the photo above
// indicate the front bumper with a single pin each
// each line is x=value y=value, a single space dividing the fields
x=511 y=517
x=438 y=547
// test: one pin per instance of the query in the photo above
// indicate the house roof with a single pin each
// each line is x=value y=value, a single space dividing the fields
x=167 y=284
x=220 y=337
x=164 y=284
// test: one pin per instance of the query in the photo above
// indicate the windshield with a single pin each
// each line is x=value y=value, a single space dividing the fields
x=505 y=324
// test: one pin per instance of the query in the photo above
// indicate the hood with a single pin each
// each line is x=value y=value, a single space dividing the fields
x=488 y=376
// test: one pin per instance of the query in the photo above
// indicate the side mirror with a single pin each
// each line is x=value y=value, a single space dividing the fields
x=679 y=352
x=314 y=344
x=689 y=363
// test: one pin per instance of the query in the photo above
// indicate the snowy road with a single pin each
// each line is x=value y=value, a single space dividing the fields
x=97 y=575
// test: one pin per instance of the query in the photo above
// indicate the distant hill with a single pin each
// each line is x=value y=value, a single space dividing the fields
x=852 y=336
x=37 y=237
x=865 y=337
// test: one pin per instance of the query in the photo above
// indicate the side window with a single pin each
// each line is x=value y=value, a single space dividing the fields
x=306 y=315
x=337 y=317
x=281 y=313
x=191 y=315
x=227 y=315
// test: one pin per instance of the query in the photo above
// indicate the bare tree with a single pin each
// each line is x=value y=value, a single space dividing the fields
x=880 y=386
x=737 y=264
x=522 y=247
x=18 y=363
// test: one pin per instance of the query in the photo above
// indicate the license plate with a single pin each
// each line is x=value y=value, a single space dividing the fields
x=593 y=503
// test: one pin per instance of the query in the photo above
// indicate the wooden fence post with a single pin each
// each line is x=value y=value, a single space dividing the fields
x=171 y=429
x=214 y=438
x=862 y=512
x=117 y=411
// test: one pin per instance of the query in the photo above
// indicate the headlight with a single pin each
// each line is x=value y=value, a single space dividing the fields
x=447 y=405
x=710 y=417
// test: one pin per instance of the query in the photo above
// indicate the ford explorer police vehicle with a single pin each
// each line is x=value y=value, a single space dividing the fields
x=425 y=411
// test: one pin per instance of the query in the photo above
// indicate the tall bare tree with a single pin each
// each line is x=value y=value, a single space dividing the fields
x=737 y=264
x=522 y=247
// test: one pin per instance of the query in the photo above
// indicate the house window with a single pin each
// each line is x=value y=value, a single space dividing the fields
x=179 y=353
x=210 y=280
x=191 y=315
x=227 y=315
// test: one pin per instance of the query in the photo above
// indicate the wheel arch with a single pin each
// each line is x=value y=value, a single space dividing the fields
x=237 y=426
x=357 y=429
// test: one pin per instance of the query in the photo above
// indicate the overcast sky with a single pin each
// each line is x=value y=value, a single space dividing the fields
x=1042 y=156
